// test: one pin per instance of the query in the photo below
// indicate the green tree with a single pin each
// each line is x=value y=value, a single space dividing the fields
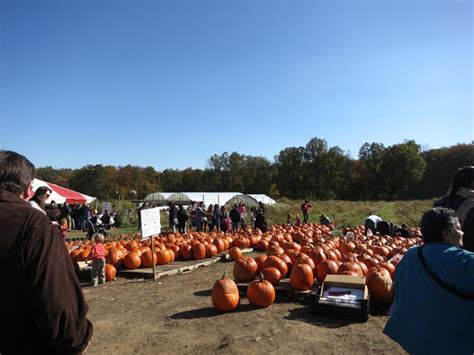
x=402 y=168
x=289 y=176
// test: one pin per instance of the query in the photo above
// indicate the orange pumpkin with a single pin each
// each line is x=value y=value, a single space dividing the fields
x=301 y=277
x=272 y=275
x=275 y=261
x=147 y=259
x=261 y=293
x=110 y=272
x=245 y=269
x=163 y=257
x=199 y=251
x=324 y=268
x=132 y=260
x=260 y=260
x=379 y=283
x=225 y=294
x=235 y=253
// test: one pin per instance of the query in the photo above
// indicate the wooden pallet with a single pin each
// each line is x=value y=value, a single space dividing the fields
x=178 y=267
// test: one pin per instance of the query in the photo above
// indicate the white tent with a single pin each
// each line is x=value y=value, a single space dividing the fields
x=263 y=198
x=220 y=198
x=61 y=194
x=208 y=198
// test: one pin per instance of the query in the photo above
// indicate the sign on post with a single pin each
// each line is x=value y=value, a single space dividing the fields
x=151 y=225
x=150 y=222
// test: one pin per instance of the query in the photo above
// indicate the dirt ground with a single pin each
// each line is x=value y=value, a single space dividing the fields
x=175 y=315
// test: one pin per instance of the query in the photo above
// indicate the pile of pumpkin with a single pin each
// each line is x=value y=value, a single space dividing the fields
x=131 y=253
x=308 y=257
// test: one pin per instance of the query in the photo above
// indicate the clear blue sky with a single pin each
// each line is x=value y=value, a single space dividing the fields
x=169 y=83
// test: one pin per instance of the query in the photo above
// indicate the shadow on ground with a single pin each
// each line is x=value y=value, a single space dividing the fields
x=203 y=293
x=305 y=314
x=208 y=312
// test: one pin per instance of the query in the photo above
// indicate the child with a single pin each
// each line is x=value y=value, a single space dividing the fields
x=64 y=228
x=297 y=220
x=288 y=219
x=97 y=256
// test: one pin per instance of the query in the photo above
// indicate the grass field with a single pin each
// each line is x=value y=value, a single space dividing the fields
x=342 y=213
x=352 y=213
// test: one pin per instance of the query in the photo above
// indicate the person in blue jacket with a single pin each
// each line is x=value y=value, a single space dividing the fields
x=433 y=310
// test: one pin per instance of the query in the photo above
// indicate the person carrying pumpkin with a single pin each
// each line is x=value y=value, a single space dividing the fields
x=97 y=256
x=43 y=307
x=433 y=309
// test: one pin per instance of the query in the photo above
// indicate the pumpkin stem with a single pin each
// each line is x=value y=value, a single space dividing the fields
x=224 y=275
x=261 y=277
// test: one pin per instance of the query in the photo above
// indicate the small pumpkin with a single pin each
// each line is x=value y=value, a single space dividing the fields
x=110 y=272
x=235 y=253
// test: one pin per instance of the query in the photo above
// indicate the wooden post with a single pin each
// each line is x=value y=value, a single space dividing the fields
x=152 y=257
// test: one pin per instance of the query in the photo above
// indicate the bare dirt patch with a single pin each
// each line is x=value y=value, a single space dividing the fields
x=175 y=315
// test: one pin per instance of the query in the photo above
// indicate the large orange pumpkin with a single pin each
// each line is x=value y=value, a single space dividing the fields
x=261 y=293
x=164 y=257
x=301 y=277
x=245 y=269
x=186 y=251
x=146 y=257
x=132 y=260
x=275 y=261
x=379 y=283
x=324 y=268
x=199 y=251
x=350 y=266
x=225 y=294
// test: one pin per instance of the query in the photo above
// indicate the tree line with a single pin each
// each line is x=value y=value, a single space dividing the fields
x=315 y=171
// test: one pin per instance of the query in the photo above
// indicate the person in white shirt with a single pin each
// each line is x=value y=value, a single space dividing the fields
x=370 y=223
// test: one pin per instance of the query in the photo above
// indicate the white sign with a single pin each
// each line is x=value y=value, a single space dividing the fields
x=106 y=206
x=150 y=222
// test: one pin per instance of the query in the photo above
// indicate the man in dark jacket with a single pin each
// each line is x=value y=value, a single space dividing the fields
x=460 y=198
x=234 y=215
x=43 y=309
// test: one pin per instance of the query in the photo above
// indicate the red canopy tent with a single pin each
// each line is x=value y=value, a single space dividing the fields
x=61 y=194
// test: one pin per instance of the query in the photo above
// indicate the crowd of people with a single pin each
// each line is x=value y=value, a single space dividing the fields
x=196 y=217
x=75 y=216
x=432 y=312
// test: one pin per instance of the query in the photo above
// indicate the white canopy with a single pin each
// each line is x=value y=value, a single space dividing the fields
x=220 y=198
x=263 y=198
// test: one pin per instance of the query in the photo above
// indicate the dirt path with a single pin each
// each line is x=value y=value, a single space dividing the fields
x=175 y=315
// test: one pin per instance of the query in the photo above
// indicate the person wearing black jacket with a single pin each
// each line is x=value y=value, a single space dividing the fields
x=182 y=217
x=42 y=305
x=234 y=215
x=460 y=198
